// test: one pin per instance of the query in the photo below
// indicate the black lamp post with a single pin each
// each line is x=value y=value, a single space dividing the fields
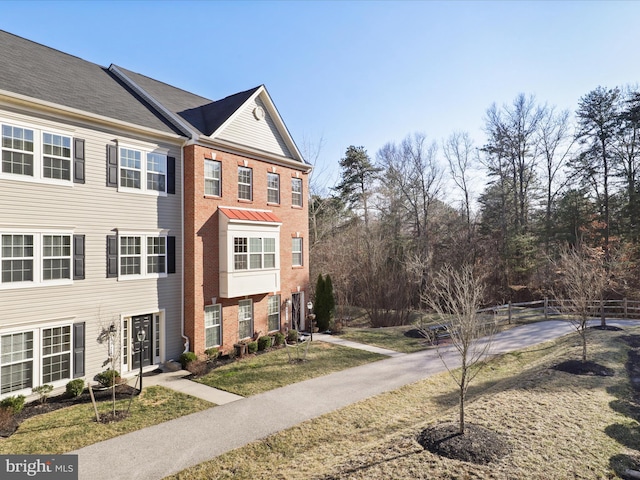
x=141 y=336
x=312 y=317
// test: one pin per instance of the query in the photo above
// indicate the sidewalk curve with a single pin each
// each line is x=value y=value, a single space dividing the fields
x=168 y=448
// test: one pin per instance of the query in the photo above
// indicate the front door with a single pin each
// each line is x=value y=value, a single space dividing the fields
x=141 y=322
x=296 y=312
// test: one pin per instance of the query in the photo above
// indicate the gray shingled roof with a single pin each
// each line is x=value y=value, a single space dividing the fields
x=203 y=114
x=43 y=73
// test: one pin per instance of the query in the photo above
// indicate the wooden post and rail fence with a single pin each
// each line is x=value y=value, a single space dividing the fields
x=548 y=308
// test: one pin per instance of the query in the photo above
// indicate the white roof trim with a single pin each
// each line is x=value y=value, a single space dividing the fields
x=30 y=101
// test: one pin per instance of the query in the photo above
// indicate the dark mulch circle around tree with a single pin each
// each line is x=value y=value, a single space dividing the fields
x=478 y=444
x=608 y=328
x=414 y=333
x=111 y=417
x=577 y=367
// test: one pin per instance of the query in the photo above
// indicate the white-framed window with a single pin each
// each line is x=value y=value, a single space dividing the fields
x=56 y=257
x=16 y=362
x=296 y=192
x=156 y=172
x=273 y=313
x=142 y=171
x=296 y=251
x=56 y=156
x=142 y=255
x=254 y=253
x=245 y=177
x=269 y=246
x=35 y=154
x=156 y=254
x=213 y=178
x=273 y=188
x=38 y=356
x=56 y=354
x=212 y=326
x=245 y=319
x=17 y=150
x=240 y=250
x=35 y=258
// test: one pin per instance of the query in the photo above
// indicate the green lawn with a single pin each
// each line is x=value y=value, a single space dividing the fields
x=75 y=427
x=260 y=373
x=392 y=338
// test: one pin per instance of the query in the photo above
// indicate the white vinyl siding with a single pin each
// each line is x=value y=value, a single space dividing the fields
x=261 y=134
x=47 y=207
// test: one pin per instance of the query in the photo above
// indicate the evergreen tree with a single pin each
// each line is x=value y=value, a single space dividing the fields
x=322 y=317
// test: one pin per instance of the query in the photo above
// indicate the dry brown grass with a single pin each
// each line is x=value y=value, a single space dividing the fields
x=560 y=426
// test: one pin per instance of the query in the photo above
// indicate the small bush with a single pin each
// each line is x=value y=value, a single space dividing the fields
x=7 y=420
x=43 y=392
x=212 y=353
x=252 y=347
x=14 y=404
x=108 y=378
x=278 y=339
x=198 y=367
x=186 y=358
x=292 y=336
x=264 y=343
x=75 y=387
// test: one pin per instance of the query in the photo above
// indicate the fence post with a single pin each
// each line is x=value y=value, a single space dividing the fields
x=509 y=312
x=624 y=307
x=546 y=308
x=602 y=320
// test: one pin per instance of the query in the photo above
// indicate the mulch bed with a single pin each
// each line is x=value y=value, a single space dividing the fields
x=478 y=444
x=61 y=401
x=577 y=367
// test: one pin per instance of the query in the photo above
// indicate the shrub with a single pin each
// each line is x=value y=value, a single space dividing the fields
x=108 y=378
x=278 y=339
x=186 y=358
x=43 y=392
x=212 y=353
x=198 y=367
x=292 y=336
x=14 y=404
x=75 y=387
x=264 y=343
x=252 y=347
x=7 y=420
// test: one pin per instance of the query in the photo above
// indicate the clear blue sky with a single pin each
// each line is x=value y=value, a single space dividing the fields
x=355 y=72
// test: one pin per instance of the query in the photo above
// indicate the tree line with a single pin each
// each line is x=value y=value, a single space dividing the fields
x=548 y=179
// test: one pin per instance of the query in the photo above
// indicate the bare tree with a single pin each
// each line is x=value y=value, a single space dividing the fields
x=459 y=152
x=581 y=285
x=456 y=297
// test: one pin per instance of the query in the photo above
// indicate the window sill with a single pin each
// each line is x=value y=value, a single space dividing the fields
x=297 y=267
x=271 y=204
x=243 y=200
x=297 y=207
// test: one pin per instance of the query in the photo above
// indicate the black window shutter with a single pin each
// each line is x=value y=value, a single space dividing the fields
x=112 y=256
x=112 y=166
x=171 y=254
x=78 y=350
x=78 y=257
x=78 y=160
x=171 y=175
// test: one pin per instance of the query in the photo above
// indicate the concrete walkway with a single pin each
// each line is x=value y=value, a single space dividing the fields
x=155 y=452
